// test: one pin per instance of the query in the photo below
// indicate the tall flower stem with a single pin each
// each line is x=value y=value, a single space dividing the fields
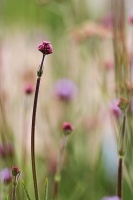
x=121 y=157
x=59 y=166
x=39 y=74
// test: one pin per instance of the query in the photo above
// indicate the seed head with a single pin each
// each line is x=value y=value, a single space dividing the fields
x=67 y=128
x=15 y=170
x=45 y=47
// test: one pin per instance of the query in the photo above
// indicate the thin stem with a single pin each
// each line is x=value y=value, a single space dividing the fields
x=59 y=166
x=120 y=175
x=121 y=157
x=14 y=188
x=33 y=130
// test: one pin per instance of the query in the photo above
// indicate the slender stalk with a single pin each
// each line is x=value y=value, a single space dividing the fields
x=59 y=166
x=119 y=184
x=14 y=188
x=121 y=157
x=33 y=130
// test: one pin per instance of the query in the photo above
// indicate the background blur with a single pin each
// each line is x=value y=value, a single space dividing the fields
x=81 y=36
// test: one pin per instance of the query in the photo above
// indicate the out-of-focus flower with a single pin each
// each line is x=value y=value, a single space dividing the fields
x=45 y=47
x=108 y=65
x=115 y=110
x=108 y=21
x=5 y=176
x=130 y=19
x=6 y=150
x=67 y=128
x=123 y=104
x=29 y=89
x=111 y=198
x=15 y=170
x=90 y=29
x=65 y=89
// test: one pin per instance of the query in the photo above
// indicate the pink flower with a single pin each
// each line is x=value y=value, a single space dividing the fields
x=67 y=128
x=45 y=47
x=29 y=89
x=116 y=111
x=5 y=175
x=130 y=19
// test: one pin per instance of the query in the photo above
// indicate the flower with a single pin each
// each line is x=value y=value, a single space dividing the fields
x=15 y=170
x=67 y=128
x=29 y=89
x=65 y=89
x=5 y=176
x=45 y=47
x=111 y=198
x=6 y=150
x=130 y=19
x=116 y=111
x=123 y=104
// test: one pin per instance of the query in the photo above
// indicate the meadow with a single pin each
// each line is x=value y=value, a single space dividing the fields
x=66 y=103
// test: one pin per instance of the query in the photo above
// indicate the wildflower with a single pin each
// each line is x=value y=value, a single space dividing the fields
x=123 y=104
x=15 y=170
x=116 y=111
x=65 y=89
x=7 y=150
x=67 y=128
x=111 y=198
x=130 y=19
x=45 y=47
x=29 y=89
x=5 y=176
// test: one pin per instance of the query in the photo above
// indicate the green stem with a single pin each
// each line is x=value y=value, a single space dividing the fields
x=59 y=166
x=33 y=130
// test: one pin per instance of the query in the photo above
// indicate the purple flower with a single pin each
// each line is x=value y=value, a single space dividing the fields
x=65 y=89
x=5 y=176
x=45 y=47
x=116 y=111
x=111 y=198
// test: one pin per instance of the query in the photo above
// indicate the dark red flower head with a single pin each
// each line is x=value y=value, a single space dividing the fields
x=67 y=128
x=45 y=47
x=29 y=89
x=15 y=170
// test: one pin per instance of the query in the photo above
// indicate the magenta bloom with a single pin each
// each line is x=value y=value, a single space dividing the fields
x=116 y=111
x=5 y=176
x=67 y=128
x=29 y=89
x=45 y=47
x=111 y=198
x=65 y=89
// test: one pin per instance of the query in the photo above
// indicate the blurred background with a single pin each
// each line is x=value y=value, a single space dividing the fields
x=78 y=85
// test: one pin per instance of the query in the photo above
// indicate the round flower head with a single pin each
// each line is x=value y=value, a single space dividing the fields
x=5 y=176
x=65 y=89
x=15 y=170
x=45 y=47
x=29 y=89
x=67 y=128
x=111 y=198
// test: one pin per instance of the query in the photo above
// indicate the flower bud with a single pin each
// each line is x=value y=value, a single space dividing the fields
x=29 y=89
x=15 y=171
x=123 y=104
x=45 y=47
x=67 y=128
